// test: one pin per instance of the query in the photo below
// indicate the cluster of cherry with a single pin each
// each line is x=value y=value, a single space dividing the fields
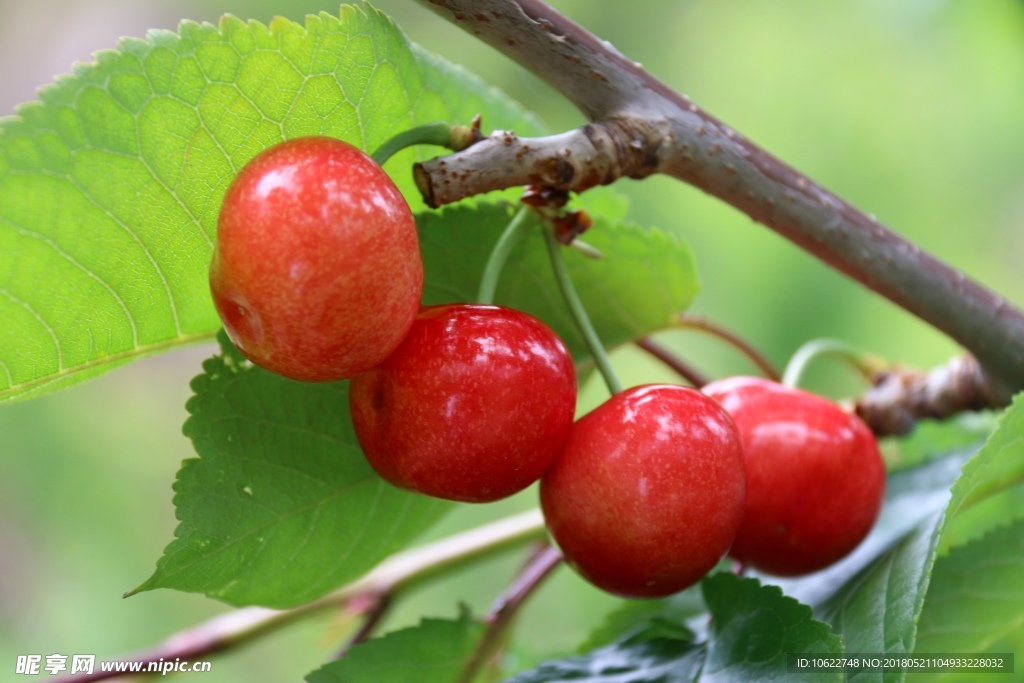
x=317 y=276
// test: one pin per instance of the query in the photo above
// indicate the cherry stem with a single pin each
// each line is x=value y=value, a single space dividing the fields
x=445 y=135
x=505 y=608
x=499 y=255
x=579 y=313
x=867 y=364
x=690 y=374
x=734 y=340
x=394 y=576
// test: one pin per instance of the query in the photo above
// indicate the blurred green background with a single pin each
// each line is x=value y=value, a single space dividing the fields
x=910 y=110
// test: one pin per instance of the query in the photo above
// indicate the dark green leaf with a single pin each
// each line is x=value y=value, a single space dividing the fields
x=660 y=652
x=753 y=629
x=111 y=183
x=436 y=651
x=633 y=614
x=281 y=506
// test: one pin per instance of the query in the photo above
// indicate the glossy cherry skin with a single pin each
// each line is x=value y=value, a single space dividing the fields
x=815 y=477
x=648 y=493
x=316 y=273
x=473 y=406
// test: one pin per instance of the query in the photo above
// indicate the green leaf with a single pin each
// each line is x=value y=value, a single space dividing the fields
x=989 y=493
x=932 y=438
x=634 y=613
x=111 y=183
x=976 y=595
x=982 y=517
x=998 y=466
x=644 y=280
x=436 y=651
x=660 y=652
x=281 y=506
x=753 y=629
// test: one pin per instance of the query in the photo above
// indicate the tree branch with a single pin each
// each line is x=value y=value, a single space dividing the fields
x=539 y=567
x=642 y=126
x=397 y=574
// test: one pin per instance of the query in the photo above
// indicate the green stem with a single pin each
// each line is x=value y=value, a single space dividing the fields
x=439 y=134
x=496 y=261
x=865 y=363
x=579 y=313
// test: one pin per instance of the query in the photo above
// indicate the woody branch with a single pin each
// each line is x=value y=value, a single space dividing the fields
x=640 y=126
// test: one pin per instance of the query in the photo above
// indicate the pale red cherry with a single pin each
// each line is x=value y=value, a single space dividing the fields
x=473 y=406
x=317 y=273
x=815 y=477
x=648 y=493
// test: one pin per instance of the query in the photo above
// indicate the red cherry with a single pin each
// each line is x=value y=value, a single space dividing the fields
x=317 y=273
x=648 y=492
x=473 y=406
x=815 y=478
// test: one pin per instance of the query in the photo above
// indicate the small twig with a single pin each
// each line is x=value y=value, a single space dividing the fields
x=372 y=616
x=736 y=341
x=641 y=126
x=578 y=160
x=690 y=374
x=507 y=605
x=899 y=398
x=399 y=573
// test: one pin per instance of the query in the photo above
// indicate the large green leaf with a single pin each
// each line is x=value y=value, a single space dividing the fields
x=281 y=506
x=644 y=280
x=976 y=595
x=111 y=183
x=753 y=629
x=999 y=467
x=436 y=651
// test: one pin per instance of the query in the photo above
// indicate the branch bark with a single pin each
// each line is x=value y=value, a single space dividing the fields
x=898 y=399
x=642 y=126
